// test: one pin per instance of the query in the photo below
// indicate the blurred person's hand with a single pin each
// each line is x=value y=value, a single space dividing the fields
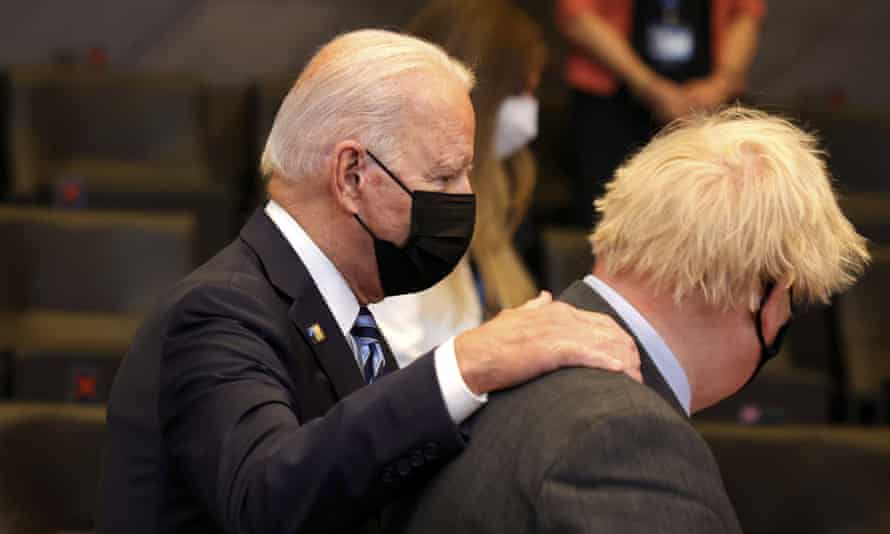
x=666 y=99
x=708 y=94
x=538 y=337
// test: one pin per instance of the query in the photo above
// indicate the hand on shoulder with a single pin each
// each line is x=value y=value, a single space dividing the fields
x=542 y=335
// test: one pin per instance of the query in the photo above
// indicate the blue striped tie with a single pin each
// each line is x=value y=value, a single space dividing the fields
x=370 y=345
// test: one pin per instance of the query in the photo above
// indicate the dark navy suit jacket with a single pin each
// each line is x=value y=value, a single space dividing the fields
x=227 y=416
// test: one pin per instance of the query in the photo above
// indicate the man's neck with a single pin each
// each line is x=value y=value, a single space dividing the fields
x=333 y=233
x=702 y=338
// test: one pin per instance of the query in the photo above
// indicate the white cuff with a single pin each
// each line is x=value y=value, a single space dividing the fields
x=459 y=400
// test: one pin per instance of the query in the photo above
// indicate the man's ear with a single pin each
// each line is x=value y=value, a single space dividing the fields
x=349 y=163
x=776 y=310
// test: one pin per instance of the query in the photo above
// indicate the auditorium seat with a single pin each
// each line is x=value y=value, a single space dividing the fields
x=108 y=140
x=865 y=338
x=870 y=214
x=805 y=479
x=5 y=367
x=77 y=287
x=68 y=357
x=92 y=261
x=783 y=393
x=566 y=256
x=856 y=142
x=63 y=116
x=214 y=207
x=813 y=337
x=227 y=123
x=267 y=97
x=49 y=468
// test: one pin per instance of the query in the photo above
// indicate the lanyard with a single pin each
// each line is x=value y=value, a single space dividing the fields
x=670 y=10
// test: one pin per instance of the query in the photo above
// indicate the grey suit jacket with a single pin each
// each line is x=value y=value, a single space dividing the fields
x=577 y=451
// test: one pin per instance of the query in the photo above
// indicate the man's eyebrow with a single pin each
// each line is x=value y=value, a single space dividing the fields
x=451 y=166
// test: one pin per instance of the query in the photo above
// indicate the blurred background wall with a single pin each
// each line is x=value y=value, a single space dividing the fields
x=810 y=48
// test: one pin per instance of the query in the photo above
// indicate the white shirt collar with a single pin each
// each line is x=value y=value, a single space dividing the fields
x=653 y=344
x=331 y=284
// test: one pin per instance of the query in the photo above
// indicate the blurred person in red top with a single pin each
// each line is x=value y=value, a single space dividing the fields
x=638 y=64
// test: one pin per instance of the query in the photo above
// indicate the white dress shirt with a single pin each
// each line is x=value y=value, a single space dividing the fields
x=459 y=400
x=653 y=344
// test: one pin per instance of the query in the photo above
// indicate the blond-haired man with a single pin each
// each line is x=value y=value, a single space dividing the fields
x=706 y=236
x=260 y=396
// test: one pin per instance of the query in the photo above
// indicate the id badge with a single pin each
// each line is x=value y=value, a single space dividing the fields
x=670 y=43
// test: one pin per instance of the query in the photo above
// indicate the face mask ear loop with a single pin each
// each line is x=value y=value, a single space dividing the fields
x=390 y=173
x=365 y=226
x=759 y=320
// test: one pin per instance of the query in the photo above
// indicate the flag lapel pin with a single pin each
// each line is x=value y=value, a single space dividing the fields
x=316 y=333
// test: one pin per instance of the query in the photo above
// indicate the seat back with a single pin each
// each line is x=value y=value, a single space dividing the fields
x=805 y=479
x=68 y=357
x=863 y=334
x=64 y=119
x=870 y=214
x=49 y=468
x=566 y=256
x=782 y=393
x=856 y=142
x=86 y=261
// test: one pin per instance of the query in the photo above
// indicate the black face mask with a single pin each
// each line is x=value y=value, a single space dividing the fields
x=768 y=352
x=441 y=230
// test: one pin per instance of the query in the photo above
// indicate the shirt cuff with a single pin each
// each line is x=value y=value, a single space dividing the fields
x=459 y=400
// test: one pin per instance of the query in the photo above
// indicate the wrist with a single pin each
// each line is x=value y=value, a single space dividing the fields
x=471 y=368
x=728 y=81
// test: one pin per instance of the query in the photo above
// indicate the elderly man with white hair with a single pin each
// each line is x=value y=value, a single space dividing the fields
x=260 y=395
x=706 y=236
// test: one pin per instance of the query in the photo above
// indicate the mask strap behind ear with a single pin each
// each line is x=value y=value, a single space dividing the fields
x=768 y=290
x=772 y=350
x=389 y=172
x=365 y=226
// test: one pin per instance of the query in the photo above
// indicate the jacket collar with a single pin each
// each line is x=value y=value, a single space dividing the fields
x=308 y=310
x=581 y=295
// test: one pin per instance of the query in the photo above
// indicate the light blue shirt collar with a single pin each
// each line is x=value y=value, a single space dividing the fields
x=653 y=344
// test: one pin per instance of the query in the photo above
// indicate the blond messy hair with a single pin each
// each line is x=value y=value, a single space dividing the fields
x=722 y=204
x=352 y=88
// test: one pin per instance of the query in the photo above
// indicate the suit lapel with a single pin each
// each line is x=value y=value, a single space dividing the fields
x=308 y=310
x=581 y=295
x=332 y=352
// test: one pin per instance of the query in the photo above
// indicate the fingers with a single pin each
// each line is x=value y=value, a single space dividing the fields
x=605 y=361
x=543 y=298
x=538 y=337
x=634 y=374
x=606 y=329
x=609 y=356
x=588 y=339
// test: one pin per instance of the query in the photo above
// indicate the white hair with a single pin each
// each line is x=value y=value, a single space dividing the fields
x=352 y=88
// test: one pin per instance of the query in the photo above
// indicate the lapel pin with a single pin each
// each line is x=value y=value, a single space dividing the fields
x=316 y=333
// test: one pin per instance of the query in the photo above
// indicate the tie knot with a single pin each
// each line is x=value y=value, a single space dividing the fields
x=364 y=320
